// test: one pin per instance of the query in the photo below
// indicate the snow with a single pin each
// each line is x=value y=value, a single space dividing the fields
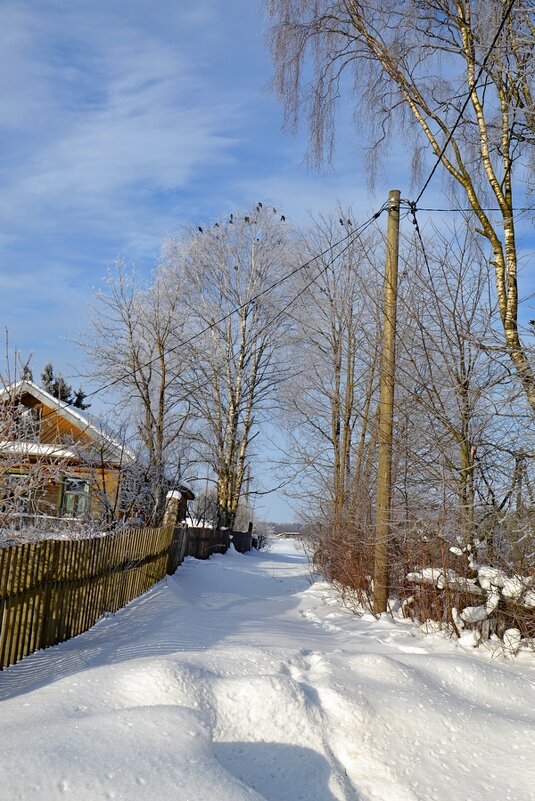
x=474 y=614
x=512 y=639
x=243 y=679
x=514 y=587
x=441 y=578
x=37 y=449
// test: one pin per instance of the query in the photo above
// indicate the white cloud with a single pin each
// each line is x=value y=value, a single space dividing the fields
x=117 y=113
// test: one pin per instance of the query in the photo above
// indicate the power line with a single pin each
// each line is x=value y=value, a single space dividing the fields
x=414 y=220
x=356 y=233
x=351 y=235
x=468 y=97
x=520 y=210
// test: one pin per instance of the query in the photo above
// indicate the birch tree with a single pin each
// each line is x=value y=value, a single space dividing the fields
x=330 y=400
x=135 y=348
x=451 y=383
x=413 y=65
x=237 y=336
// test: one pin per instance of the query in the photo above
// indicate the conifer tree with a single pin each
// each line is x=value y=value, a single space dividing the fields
x=60 y=389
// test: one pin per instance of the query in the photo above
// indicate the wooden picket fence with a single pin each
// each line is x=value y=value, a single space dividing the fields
x=203 y=542
x=53 y=590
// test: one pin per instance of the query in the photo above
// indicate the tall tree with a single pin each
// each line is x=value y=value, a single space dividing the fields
x=416 y=62
x=136 y=349
x=239 y=328
x=330 y=398
x=451 y=382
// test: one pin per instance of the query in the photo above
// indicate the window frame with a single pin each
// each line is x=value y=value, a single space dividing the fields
x=77 y=496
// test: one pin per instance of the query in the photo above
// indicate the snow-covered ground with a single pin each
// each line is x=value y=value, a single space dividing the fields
x=239 y=680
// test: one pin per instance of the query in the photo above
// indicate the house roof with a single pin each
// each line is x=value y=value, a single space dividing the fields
x=115 y=451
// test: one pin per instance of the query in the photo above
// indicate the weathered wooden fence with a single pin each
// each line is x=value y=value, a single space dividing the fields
x=203 y=542
x=53 y=590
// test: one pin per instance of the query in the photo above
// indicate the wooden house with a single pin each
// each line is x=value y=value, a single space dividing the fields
x=55 y=460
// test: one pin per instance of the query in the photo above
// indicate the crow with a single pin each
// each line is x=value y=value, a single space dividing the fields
x=283 y=218
x=247 y=219
x=199 y=229
x=341 y=221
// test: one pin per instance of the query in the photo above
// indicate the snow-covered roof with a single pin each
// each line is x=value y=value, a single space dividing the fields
x=21 y=447
x=116 y=452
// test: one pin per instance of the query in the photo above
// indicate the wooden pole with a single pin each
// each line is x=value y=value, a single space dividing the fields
x=386 y=410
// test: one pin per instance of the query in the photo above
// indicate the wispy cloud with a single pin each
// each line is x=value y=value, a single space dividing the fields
x=110 y=113
x=106 y=117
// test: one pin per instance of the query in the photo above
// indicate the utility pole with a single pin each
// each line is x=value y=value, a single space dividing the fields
x=386 y=410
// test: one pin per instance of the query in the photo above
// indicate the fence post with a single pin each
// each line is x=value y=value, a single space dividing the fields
x=170 y=518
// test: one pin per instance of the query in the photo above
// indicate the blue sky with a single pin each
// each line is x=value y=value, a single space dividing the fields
x=122 y=120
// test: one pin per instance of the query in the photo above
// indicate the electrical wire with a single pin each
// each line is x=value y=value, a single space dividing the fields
x=350 y=236
x=356 y=233
x=468 y=97
x=520 y=210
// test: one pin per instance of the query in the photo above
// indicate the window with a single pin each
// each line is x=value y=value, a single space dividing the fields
x=75 y=497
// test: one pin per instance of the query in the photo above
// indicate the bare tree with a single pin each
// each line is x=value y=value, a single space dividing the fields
x=417 y=62
x=136 y=349
x=237 y=328
x=452 y=381
x=331 y=399
x=334 y=341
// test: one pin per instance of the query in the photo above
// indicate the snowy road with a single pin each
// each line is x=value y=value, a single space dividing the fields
x=239 y=680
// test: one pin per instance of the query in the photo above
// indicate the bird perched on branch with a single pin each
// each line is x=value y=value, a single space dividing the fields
x=283 y=218
x=199 y=229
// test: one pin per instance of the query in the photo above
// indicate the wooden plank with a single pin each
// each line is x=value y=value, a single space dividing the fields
x=15 y=623
x=71 y=606
x=85 y=589
x=37 y=592
x=34 y=592
x=51 y=597
x=25 y=645
x=62 y=590
x=24 y=604
x=12 y=607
